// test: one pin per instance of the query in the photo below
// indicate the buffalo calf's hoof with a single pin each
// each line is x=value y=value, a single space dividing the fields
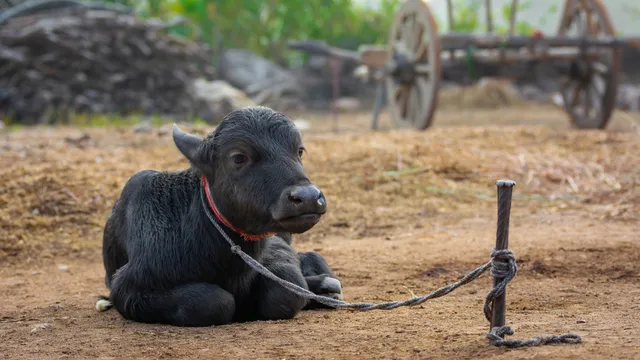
x=103 y=304
x=331 y=286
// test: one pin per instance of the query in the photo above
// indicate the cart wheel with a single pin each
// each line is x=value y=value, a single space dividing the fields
x=413 y=66
x=589 y=90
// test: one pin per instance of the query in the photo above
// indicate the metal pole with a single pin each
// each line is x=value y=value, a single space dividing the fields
x=452 y=25
x=505 y=190
x=377 y=104
x=335 y=89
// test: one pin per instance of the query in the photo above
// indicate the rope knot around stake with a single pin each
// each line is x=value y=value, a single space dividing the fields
x=504 y=267
x=503 y=264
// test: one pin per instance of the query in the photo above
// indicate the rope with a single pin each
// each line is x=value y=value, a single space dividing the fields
x=502 y=264
x=496 y=338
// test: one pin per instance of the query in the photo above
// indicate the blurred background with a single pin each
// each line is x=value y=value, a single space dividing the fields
x=197 y=59
x=89 y=91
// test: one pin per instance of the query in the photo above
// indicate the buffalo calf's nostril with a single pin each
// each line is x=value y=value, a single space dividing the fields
x=306 y=194
x=321 y=200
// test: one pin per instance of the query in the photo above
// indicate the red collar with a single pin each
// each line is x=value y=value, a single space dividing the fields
x=224 y=221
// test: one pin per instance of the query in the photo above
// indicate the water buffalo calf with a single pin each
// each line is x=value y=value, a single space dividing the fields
x=167 y=263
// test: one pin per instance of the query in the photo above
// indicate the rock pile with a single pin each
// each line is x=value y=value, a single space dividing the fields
x=97 y=61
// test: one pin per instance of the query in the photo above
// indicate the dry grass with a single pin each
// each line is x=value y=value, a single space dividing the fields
x=56 y=192
x=488 y=94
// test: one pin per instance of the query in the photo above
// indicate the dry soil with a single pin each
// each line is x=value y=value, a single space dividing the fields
x=408 y=212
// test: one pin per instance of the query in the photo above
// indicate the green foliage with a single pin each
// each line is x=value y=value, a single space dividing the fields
x=265 y=26
x=466 y=15
x=521 y=27
x=552 y=10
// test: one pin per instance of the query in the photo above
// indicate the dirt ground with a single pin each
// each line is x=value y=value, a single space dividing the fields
x=408 y=212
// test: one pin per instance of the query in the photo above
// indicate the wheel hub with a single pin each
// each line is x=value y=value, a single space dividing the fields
x=402 y=70
x=580 y=71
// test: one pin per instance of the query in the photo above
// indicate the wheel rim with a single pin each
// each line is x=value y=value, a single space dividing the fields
x=589 y=90
x=413 y=66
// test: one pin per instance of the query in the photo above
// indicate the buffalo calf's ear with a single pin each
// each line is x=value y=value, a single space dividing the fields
x=187 y=144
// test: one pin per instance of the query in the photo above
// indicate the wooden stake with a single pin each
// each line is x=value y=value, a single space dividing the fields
x=505 y=190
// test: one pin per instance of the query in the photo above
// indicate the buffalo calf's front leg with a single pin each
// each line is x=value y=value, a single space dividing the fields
x=274 y=302
x=320 y=279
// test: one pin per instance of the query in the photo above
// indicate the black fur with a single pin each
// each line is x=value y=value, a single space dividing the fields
x=166 y=263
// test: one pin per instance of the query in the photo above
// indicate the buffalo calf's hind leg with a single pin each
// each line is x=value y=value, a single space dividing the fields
x=195 y=304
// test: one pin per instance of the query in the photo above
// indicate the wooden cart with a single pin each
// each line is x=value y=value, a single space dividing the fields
x=412 y=63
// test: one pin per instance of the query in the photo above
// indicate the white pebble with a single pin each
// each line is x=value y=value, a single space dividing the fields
x=62 y=267
x=40 y=327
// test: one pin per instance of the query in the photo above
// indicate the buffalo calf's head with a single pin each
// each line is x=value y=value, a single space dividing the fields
x=253 y=166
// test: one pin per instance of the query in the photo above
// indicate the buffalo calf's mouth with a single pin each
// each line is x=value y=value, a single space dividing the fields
x=301 y=222
x=303 y=217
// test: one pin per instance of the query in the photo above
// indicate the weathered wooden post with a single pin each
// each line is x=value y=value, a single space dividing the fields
x=512 y=17
x=487 y=5
x=505 y=190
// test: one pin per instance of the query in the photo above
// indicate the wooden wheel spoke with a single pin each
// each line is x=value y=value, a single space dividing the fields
x=399 y=93
x=423 y=69
x=572 y=21
x=425 y=89
x=419 y=103
x=421 y=51
x=597 y=27
x=420 y=48
x=587 y=103
x=581 y=24
x=599 y=67
x=599 y=84
x=589 y=15
x=596 y=97
x=575 y=98
x=401 y=96
x=407 y=35
x=410 y=114
x=416 y=32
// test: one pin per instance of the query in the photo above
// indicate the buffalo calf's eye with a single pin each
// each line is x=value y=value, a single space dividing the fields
x=300 y=152
x=238 y=159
